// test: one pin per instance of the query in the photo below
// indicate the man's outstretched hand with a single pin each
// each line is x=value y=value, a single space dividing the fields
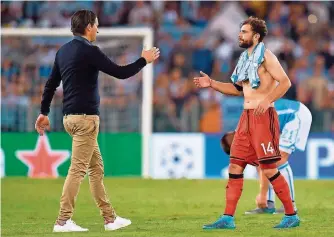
x=204 y=81
x=151 y=54
x=42 y=124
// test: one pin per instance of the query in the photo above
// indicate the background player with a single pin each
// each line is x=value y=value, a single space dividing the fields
x=295 y=123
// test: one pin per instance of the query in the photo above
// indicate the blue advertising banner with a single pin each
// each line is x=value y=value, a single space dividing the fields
x=316 y=162
x=318 y=159
x=216 y=160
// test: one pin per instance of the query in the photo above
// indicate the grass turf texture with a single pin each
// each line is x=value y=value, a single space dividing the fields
x=160 y=208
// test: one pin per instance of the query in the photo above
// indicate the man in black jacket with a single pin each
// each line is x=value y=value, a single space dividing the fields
x=77 y=65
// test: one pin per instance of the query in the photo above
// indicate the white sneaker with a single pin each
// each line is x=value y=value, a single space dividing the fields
x=117 y=224
x=69 y=226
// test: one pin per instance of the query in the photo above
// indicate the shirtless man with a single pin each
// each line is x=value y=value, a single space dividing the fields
x=295 y=121
x=257 y=135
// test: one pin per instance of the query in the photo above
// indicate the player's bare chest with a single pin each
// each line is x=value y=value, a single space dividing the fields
x=262 y=72
x=266 y=81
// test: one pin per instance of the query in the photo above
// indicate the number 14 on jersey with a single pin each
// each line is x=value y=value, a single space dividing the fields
x=267 y=149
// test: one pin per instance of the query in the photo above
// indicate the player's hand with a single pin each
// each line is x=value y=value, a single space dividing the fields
x=261 y=201
x=151 y=54
x=42 y=124
x=204 y=81
x=262 y=107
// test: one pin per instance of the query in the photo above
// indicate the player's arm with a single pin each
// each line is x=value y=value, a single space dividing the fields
x=226 y=88
x=275 y=69
x=104 y=64
x=50 y=88
x=42 y=123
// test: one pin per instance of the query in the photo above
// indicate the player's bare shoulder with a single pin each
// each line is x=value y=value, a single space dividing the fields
x=263 y=68
x=272 y=65
x=269 y=58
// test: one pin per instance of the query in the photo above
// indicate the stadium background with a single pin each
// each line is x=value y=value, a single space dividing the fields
x=187 y=122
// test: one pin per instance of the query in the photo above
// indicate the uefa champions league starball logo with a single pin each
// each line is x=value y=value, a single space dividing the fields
x=177 y=160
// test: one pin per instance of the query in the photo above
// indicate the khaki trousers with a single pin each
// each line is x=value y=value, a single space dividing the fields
x=86 y=156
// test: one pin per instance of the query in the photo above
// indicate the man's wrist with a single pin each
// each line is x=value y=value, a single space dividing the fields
x=143 y=59
x=269 y=100
x=263 y=193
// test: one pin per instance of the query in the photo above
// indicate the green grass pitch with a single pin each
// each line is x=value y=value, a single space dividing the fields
x=160 y=208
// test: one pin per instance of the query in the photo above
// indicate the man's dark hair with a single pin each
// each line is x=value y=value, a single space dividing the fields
x=258 y=26
x=80 y=20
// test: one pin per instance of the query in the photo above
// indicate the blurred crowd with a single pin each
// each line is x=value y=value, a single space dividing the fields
x=193 y=36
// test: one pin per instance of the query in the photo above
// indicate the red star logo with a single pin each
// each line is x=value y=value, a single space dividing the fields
x=43 y=162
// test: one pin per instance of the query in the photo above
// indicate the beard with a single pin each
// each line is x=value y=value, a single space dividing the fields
x=246 y=44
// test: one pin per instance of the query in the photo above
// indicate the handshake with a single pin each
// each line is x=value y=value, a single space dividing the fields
x=151 y=54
